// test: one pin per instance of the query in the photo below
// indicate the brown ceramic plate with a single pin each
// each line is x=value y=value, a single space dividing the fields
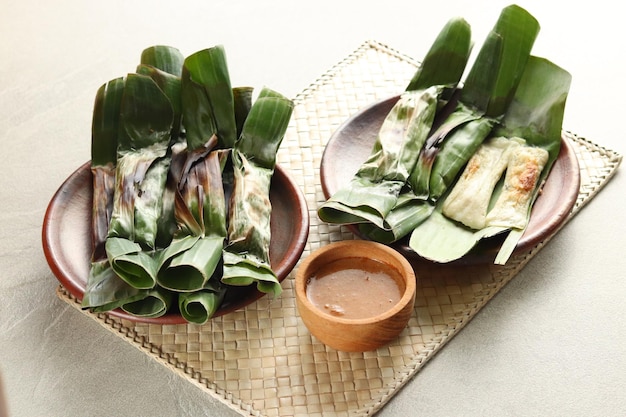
x=66 y=238
x=352 y=143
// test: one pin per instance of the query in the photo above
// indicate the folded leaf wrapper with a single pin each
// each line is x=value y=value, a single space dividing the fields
x=142 y=166
x=246 y=256
x=105 y=290
x=104 y=131
x=193 y=260
x=154 y=303
x=194 y=256
x=374 y=190
x=135 y=118
x=536 y=114
x=199 y=306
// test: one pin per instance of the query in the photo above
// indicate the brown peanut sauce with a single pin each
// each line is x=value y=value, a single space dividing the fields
x=355 y=288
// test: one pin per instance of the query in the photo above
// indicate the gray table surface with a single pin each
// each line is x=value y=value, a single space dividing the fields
x=551 y=343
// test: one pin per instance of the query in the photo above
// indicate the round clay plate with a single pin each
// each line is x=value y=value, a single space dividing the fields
x=66 y=239
x=352 y=144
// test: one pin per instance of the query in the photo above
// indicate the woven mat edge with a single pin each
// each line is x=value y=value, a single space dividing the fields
x=353 y=56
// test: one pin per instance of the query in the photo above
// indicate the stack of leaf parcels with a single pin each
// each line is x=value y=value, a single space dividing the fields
x=450 y=165
x=182 y=164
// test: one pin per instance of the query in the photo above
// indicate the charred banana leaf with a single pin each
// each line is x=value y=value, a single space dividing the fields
x=104 y=131
x=374 y=190
x=246 y=256
x=194 y=257
x=142 y=167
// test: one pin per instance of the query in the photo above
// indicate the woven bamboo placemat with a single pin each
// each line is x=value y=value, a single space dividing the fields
x=261 y=360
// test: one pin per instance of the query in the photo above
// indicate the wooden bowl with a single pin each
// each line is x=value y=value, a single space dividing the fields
x=66 y=237
x=358 y=334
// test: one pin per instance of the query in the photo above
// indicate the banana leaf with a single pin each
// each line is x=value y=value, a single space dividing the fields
x=104 y=130
x=154 y=303
x=145 y=124
x=165 y=58
x=243 y=102
x=207 y=97
x=190 y=269
x=208 y=108
x=447 y=57
x=535 y=114
x=264 y=128
x=164 y=65
x=141 y=173
x=199 y=306
x=401 y=220
x=131 y=262
x=195 y=254
x=246 y=256
x=374 y=190
x=201 y=193
x=106 y=291
x=171 y=87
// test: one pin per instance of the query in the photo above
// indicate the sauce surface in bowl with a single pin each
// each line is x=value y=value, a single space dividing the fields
x=355 y=288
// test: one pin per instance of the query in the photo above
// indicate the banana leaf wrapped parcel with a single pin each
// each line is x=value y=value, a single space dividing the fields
x=127 y=274
x=191 y=265
x=374 y=190
x=140 y=114
x=246 y=256
x=142 y=165
x=104 y=160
